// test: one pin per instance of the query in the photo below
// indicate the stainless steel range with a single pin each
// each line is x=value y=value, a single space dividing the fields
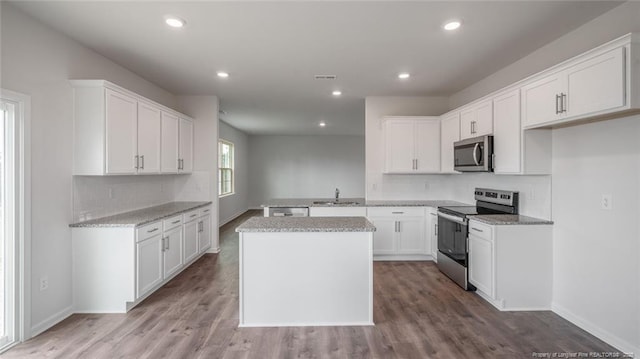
x=453 y=253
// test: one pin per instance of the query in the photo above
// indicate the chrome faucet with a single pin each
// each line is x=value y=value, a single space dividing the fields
x=337 y=194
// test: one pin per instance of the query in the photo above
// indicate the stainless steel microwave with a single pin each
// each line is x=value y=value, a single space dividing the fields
x=473 y=154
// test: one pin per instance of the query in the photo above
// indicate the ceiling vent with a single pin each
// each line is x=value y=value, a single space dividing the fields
x=325 y=77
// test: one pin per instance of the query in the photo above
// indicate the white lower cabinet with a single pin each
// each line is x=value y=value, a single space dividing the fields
x=149 y=268
x=400 y=233
x=115 y=268
x=511 y=265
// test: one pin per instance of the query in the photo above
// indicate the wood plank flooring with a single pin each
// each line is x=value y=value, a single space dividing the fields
x=419 y=313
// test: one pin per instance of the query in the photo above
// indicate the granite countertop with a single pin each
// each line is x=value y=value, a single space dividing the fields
x=142 y=216
x=306 y=224
x=360 y=202
x=508 y=219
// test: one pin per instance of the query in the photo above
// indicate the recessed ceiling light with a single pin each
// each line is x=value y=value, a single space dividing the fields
x=322 y=124
x=452 y=25
x=223 y=74
x=336 y=93
x=403 y=75
x=174 y=21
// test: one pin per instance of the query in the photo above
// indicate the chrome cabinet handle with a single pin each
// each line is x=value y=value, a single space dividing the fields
x=397 y=212
x=477 y=230
x=416 y=163
x=563 y=102
x=163 y=245
x=142 y=160
x=167 y=241
x=435 y=230
x=152 y=230
x=193 y=215
x=174 y=222
x=136 y=158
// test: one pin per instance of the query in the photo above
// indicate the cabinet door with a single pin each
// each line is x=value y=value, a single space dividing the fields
x=481 y=264
x=597 y=84
x=399 y=146
x=483 y=123
x=170 y=140
x=186 y=145
x=148 y=264
x=384 y=236
x=121 y=133
x=190 y=240
x=539 y=101
x=467 y=117
x=411 y=236
x=432 y=232
x=450 y=133
x=204 y=236
x=172 y=251
x=507 y=133
x=148 y=139
x=427 y=148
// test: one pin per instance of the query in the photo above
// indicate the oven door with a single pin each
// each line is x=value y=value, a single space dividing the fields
x=452 y=237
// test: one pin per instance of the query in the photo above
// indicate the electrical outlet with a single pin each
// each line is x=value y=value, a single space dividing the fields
x=44 y=283
x=606 y=202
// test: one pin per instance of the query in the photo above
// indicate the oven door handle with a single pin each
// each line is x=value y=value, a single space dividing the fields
x=453 y=218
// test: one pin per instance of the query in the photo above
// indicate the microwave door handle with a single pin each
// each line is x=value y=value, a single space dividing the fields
x=475 y=151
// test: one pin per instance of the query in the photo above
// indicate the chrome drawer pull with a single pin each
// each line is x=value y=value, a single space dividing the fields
x=174 y=222
x=152 y=230
x=476 y=229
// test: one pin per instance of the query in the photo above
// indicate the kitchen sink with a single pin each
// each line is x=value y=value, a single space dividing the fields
x=336 y=203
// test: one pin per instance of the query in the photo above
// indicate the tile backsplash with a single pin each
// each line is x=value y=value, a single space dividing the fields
x=99 y=196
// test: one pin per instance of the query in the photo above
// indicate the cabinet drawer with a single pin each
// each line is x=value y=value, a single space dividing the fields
x=148 y=231
x=191 y=215
x=172 y=222
x=480 y=229
x=205 y=210
x=395 y=212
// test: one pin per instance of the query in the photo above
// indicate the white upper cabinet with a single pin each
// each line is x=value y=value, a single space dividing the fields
x=507 y=133
x=450 y=133
x=412 y=144
x=121 y=133
x=186 y=146
x=117 y=132
x=148 y=138
x=170 y=140
x=476 y=120
x=591 y=85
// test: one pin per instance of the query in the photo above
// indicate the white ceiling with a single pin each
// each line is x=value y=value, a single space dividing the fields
x=273 y=50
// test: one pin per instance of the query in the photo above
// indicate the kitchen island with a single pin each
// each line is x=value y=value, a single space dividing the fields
x=306 y=271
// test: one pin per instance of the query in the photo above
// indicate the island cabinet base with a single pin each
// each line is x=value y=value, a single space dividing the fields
x=306 y=279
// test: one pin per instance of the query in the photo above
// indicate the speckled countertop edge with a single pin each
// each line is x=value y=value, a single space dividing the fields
x=361 y=202
x=141 y=216
x=306 y=224
x=509 y=219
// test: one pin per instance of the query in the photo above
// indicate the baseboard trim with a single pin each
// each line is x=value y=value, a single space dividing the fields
x=51 y=321
x=595 y=330
x=400 y=257
x=311 y=324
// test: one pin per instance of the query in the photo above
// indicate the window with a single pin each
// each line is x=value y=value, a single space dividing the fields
x=225 y=168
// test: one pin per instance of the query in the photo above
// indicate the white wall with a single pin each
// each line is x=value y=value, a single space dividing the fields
x=233 y=205
x=39 y=61
x=597 y=252
x=202 y=184
x=305 y=166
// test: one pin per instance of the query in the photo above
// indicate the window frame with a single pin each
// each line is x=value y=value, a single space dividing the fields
x=231 y=145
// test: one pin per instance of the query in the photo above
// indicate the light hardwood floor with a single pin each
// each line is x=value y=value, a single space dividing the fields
x=419 y=313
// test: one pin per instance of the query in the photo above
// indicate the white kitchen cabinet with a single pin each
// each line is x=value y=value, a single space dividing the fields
x=149 y=139
x=170 y=143
x=191 y=230
x=117 y=132
x=412 y=145
x=583 y=87
x=517 y=151
x=204 y=234
x=476 y=120
x=172 y=251
x=511 y=265
x=121 y=133
x=338 y=211
x=186 y=146
x=149 y=268
x=432 y=231
x=450 y=133
x=400 y=233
